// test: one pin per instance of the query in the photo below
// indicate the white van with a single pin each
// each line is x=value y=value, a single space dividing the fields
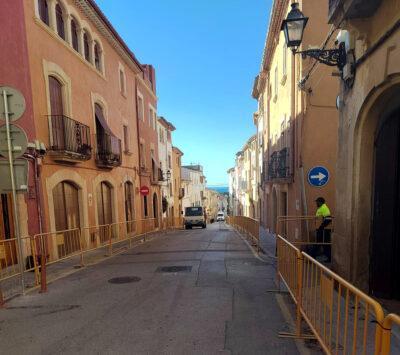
x=194 y=216
x=220 y=217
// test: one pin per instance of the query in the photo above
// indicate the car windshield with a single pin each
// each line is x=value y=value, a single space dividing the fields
x=194 y=211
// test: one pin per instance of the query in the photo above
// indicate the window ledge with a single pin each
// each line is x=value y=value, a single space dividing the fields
x=283 y=80
x=127 y=152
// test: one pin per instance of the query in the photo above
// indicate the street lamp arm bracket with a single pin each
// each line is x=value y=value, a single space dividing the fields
x=332 y=57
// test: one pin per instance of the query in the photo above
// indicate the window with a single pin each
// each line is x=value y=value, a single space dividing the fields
x=60 y=21
x=154 y=120
x=276 y=83
x=169 y=161
x=161 y=135
x=284 y=60
x=150 y=116
x=86 y=46
x=142 y=156
x=44 y=11
x=97 y=57
x=122 y=81
x=126 y=139
x=140 y=108
x=74 y=35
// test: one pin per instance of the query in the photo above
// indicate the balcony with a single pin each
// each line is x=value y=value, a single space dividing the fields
x=109 y=151
x=69 y=140
x=340 y=10
x=279 y=166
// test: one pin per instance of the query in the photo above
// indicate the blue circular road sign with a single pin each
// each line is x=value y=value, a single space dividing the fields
x=318 y=176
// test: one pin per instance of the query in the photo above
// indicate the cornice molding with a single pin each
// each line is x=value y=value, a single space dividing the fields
x=278 y=12
x=97 y=18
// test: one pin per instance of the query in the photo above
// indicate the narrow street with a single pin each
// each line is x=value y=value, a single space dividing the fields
x=218 y=304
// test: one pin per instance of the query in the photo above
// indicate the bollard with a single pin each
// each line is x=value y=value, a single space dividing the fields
x=43 y=281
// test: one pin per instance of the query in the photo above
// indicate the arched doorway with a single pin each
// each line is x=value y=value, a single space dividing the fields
x=66 y=213
x=155 y=209
x=385 y=237
x=104 y=208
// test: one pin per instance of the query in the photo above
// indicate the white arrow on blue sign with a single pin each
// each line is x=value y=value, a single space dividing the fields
x=318 y=176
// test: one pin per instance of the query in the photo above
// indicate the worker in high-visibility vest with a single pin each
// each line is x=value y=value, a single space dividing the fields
x=323 y=232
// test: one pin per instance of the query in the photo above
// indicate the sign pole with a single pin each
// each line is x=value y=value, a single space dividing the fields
x=14 y=192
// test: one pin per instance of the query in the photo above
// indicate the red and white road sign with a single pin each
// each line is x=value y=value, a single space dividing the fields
x=144 y=190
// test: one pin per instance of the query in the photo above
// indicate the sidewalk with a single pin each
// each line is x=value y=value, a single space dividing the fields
x=12 y=287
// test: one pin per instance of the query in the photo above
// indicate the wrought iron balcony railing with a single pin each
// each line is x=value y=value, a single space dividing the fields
x=69 y=139
x=109 y=151
x=279 y=165
x=160 y=175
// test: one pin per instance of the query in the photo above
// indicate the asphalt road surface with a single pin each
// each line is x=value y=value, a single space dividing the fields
x=216 y=304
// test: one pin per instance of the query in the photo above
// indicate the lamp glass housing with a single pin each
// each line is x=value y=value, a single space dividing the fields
x=293 y=27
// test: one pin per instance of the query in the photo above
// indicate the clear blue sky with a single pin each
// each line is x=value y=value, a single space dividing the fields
x=206 y=54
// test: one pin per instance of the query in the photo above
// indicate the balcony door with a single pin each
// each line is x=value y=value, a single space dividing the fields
x=66 y=213
x=57 y=112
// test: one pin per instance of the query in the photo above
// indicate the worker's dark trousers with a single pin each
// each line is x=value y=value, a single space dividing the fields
x=324 y=236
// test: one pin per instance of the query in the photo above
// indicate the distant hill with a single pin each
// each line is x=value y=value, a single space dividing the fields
x=220 y=189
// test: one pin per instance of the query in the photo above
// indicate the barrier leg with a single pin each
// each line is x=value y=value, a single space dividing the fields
x=43 y=279
x=81 y=248
x=110 y=241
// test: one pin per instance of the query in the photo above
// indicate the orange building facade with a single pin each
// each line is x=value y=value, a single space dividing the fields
x=94 y=108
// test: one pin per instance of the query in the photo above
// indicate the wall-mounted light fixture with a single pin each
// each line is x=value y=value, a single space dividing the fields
x=293 y=27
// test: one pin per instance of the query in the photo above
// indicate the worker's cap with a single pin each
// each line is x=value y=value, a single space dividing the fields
x=320 y=199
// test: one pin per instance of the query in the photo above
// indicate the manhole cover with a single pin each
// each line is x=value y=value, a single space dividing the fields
x=124 y=280
x=174 y=269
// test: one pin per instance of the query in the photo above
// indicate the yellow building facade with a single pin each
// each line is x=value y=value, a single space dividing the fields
x=296 y=121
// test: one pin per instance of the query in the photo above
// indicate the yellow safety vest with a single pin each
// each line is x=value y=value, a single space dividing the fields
x=323 y=211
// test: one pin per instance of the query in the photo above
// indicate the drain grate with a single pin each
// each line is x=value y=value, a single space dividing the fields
x=124 y=280
x=175 y=268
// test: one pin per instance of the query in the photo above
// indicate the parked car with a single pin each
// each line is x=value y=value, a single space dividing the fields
x=220 y=217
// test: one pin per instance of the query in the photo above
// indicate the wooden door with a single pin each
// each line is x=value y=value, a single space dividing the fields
x=8 y=250
x=57 y=112
x=66 y=212
x=129 y=203
x=104 y=208
x=385 y=245
x=155 y=209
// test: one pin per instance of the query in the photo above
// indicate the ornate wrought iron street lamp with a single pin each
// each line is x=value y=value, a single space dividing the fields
x=293 y=28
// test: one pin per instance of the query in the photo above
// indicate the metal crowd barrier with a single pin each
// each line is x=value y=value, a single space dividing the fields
x=341 y=317
x=248 y=226
x=48 y=248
